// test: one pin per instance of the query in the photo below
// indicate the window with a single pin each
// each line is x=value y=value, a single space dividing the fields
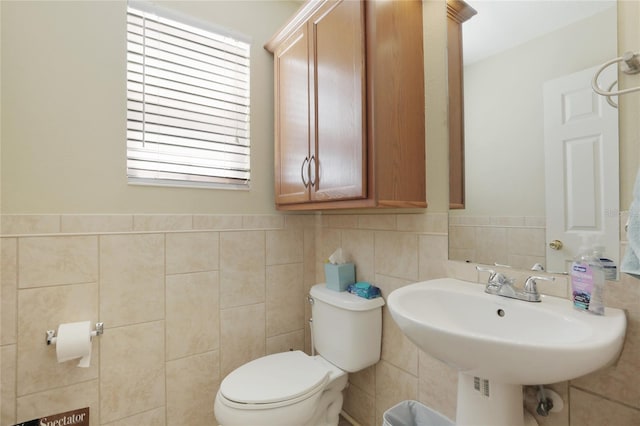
x=187 y=103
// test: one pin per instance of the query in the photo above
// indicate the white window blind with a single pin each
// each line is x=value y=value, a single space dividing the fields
x=187 y=104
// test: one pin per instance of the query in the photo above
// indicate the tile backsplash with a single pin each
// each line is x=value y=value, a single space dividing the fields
x=187 y=298
x=518 y=241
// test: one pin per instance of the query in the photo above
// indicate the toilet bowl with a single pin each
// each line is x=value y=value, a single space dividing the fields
x=296 y=389
x=289 y=388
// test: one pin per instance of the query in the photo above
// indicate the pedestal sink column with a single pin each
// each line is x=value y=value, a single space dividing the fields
x=488 y=403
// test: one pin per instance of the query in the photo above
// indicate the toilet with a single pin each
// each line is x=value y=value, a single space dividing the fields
x=293 y=388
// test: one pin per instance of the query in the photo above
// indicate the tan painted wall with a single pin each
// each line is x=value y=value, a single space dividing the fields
x=64 y=109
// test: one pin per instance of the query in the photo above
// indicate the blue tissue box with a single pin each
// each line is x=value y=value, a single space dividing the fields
x=338 y=277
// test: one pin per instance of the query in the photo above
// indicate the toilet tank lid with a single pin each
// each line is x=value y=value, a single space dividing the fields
x=344 y=299
x=274 y=378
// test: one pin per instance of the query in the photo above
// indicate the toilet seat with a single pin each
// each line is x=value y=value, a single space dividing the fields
x=274 y=380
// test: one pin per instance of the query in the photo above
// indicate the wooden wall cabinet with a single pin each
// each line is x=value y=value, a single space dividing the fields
x=349 y=106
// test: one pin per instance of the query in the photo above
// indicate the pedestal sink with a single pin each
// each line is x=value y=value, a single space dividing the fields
x=499 y=344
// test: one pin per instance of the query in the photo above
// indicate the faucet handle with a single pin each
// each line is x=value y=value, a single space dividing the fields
x=496 y=279
x=492 y=272
x=483 y=269
x=537 y=267
x=530 y=284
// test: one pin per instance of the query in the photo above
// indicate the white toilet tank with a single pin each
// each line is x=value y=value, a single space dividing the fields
x=347 y=329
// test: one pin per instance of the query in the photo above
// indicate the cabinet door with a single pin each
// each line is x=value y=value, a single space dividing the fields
x=338 y=140
x=292 y=119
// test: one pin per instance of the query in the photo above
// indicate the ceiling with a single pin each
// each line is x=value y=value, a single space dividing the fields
x=504 y=24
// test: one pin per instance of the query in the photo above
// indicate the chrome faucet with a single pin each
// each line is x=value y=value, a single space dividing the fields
x=500 y=285
x=530 y=291
x=496 y=280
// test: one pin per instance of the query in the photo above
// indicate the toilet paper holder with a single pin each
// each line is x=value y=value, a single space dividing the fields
x=51 y=334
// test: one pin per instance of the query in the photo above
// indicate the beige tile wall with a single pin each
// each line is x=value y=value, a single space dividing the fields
x=182 y=295
x=518 y=241
x=184 y=298
x=390 y=251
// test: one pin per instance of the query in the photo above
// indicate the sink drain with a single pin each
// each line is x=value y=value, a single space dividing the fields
x=500 y=312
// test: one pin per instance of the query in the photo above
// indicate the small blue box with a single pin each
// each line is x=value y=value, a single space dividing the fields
x=339 y=277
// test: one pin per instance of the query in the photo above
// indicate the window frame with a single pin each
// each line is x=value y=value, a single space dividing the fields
x=228 y=177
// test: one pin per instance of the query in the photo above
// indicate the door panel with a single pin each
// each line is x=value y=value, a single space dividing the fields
x=339 y=140
x=581 y=167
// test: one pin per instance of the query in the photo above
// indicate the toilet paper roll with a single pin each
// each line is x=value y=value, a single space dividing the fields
x=74 y=341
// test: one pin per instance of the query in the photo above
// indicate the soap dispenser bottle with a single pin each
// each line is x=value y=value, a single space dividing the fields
x=587 y=280
x=609 y=266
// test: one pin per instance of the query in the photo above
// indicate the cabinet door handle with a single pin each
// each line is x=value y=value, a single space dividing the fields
x=306 y=160
x=312 y=176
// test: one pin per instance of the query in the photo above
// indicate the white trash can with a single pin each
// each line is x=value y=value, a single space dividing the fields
x=413 y=413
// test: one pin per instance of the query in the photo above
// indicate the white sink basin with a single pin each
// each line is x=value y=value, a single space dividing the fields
x=507 y=340
x=499 y=344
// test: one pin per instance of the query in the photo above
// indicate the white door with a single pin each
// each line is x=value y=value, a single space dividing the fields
x=581 y=167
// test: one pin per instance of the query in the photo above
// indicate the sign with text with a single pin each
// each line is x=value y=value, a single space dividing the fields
x=79 y=417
